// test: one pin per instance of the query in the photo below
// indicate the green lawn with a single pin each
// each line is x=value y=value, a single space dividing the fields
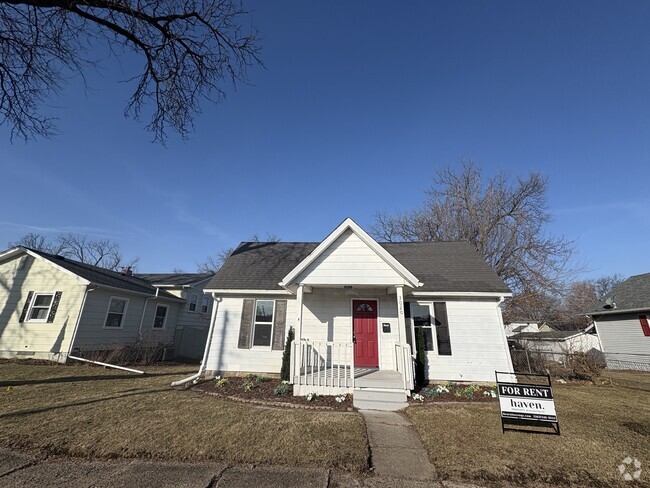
x=89 y=411
x=600 y=425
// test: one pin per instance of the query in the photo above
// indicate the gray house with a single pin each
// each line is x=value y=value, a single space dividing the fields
x=52 y=307
x=193 y=321
x=622 y=320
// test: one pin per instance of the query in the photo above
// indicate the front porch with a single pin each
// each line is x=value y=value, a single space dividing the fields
x=327 y=368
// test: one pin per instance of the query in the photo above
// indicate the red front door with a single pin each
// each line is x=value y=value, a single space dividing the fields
x=364 y=320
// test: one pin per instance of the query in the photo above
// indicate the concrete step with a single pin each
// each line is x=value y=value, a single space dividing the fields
x=378 y=405
x=379 y=399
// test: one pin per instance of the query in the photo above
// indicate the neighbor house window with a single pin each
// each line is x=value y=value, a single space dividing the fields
x=263 y=324
x=160 y=317
x=116 y=312
x=204 y=305
x=194 y=299
x=40 y=307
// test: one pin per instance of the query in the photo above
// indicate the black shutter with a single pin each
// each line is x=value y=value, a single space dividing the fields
x=23 y=314
x=279 y=322
x=442 y=328
x=55 y=305
x=407 y=325
x=246 y=325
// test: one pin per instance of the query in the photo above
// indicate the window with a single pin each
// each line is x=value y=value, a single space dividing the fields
x=40 y=307
x=160 y=317
x=645 y=326
x=365 y=307
x=435 y=327
x=194 y=299
x=116 y=312
x=421 y=317
x=204 y=305
x=263 y=324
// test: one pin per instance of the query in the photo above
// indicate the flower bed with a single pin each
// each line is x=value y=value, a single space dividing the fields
x=454 y=392
x=258 y=389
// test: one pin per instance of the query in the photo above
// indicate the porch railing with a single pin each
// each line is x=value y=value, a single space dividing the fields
x=322 y=363
x=405 y=365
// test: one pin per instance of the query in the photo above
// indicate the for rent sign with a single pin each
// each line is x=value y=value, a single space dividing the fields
x=526 y=399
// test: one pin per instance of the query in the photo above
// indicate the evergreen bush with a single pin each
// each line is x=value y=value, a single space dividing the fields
x=286 y=356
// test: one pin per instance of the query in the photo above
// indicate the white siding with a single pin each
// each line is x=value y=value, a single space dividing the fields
x=477 y=337
x=350 y=261
x=478 y=345
x=623 y=342
x=36 y=339
x=225 y=356
x=93 y=335
x=581 y=343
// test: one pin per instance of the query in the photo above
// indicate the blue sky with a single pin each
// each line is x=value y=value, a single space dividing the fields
x=358 y=104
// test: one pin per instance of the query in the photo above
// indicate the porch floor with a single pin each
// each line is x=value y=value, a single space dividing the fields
x=335 y=376
x=379 y=379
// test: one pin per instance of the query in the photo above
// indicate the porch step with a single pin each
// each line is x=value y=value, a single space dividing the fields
x=379 y=399
x=380 y=380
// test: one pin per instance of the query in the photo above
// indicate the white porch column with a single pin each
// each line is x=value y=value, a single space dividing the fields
x=299 y=295
x=401 y=319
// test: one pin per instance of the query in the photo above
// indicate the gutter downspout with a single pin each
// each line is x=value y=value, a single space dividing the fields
x=195 y=377
x=144 y=309
x=76 y=325
x=503 y=333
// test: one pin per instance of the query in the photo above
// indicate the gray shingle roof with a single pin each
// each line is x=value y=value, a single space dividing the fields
x=174 y=279
x=441 y=266
x=632 y=294
x=101 y=276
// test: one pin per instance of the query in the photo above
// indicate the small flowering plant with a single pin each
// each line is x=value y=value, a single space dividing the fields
x=341 y=398
x=312 y=396
x=417 y=397
x=221 y=382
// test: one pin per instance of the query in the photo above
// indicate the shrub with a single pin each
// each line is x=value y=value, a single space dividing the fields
x=249 y=376
x=262 y=379
x=421 y=357
x=221 y=382
x=281 y=389
x=286 y=356
x=583 y=366
x=248 y=386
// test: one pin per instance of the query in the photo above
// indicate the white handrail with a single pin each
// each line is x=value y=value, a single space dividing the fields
x=322 y=364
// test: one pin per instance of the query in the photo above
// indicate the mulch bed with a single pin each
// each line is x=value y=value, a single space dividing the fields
x=458 y=393
x=262 y=393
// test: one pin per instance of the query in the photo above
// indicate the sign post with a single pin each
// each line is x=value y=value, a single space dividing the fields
x=529 y=403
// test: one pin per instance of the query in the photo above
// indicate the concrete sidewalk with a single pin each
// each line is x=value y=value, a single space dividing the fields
x=19 y=470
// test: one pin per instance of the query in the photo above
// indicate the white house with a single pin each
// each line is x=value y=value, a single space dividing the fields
x=52 y=307
x=622 y=320
x=518 y=327
x=559 y=341
x=355 y=305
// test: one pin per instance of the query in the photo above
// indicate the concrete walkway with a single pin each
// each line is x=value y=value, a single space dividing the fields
x=19 y=470
x=395 y=448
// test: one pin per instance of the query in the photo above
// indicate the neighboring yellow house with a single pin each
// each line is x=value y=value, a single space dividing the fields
x=51 y=307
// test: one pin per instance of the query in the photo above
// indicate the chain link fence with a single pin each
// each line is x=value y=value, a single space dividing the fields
x=630 y=370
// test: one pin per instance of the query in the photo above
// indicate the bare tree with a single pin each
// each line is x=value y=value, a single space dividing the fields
x=190 y=51
x=39 y=242
x=102 y=252
x=605 y=284
x=212 y=264
x=505 y=220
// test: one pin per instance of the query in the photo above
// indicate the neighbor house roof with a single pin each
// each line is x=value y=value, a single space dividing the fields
x=174 y=279
x=94 y=274
x=440 y=266
x=556 y=335
x=631 y=295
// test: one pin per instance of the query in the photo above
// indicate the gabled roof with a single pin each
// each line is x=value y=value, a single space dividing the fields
x=453 y=267
x=632 y=295
x=351 y=225
x=92 y=274
x=174 y=279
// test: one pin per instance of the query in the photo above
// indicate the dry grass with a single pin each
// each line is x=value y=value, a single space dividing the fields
x=92 y=412
x=601 y=425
